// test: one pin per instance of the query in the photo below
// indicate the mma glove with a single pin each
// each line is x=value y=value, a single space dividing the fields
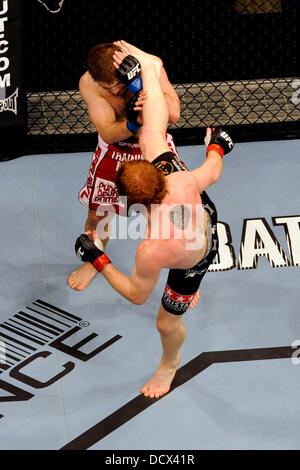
x=219 y=141
x=132 y=115
x=86 y=250
x=129 y=72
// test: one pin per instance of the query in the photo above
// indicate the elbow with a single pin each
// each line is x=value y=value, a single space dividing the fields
x=217 y=169
x=137 y=300
x=174 y=116
x=217 y=175
x=108 y=139
x=109 y=133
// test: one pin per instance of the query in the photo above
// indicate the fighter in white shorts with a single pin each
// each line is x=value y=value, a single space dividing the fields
x=100 y=191
x=114 y=109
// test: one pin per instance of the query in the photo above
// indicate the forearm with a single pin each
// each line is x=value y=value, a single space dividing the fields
x=215 y=160
x=138 y=286
x=115 y=132
x=120 y=282
x=218 y=143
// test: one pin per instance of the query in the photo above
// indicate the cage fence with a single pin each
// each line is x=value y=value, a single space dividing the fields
x=228 y=93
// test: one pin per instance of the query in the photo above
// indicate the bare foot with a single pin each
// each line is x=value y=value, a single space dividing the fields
x=144 y=58
x=160 y=383
x=195 y=299
x=81 y=278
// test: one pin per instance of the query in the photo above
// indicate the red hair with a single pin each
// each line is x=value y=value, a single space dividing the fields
x=100 y=62
x=141 y=182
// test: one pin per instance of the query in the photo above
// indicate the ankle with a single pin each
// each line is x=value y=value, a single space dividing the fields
x=170 y=362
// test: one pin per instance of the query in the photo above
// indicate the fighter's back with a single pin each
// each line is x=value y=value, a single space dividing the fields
x=177 y=227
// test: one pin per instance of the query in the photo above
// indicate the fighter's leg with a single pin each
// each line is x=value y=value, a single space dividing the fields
x=152 y=138
x=172 y=334
x=195 y=299
x=155 y=115
x=142 y=56
x=81 y=277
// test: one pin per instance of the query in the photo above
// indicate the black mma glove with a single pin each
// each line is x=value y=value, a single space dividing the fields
x=129 y=73
x=86 y=250
x=132 y=115
x=219 y=141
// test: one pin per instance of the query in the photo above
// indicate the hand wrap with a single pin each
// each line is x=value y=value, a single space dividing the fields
x=132 y=115
x=129 y=73
x=219 y=141
x=86 y=250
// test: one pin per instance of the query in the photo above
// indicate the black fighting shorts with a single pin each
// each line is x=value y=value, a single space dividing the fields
x=182 y=284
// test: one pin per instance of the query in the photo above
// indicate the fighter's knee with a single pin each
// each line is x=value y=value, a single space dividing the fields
x=145 y=138
x=166 y=326
x=150 y=139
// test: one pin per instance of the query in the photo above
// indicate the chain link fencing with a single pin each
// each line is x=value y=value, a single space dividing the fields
x=254 y=108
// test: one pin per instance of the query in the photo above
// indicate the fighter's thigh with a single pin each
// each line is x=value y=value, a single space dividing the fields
x=152 y=142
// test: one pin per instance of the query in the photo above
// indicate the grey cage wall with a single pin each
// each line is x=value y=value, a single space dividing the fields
x=233 y=63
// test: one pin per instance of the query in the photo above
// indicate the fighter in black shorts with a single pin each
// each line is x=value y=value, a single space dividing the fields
x=182 y=284
x=170 y=191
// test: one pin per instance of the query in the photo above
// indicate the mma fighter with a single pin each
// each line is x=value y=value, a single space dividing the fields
x=111 y=106
x=173 y=198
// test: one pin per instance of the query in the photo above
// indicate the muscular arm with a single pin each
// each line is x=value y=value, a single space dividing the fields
x=138 y=287
x=101 y=113
x=209 y=172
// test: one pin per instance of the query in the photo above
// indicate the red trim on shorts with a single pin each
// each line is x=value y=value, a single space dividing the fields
x=183 y=299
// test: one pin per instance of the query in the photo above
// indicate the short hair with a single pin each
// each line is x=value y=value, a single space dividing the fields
x=100 y=62
x=142 y=183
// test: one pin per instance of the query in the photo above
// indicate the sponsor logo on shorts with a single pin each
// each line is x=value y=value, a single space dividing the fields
x=128 y=144
x=178 y=302
x=105 y=192
x=122 y=156
x=194 y=272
